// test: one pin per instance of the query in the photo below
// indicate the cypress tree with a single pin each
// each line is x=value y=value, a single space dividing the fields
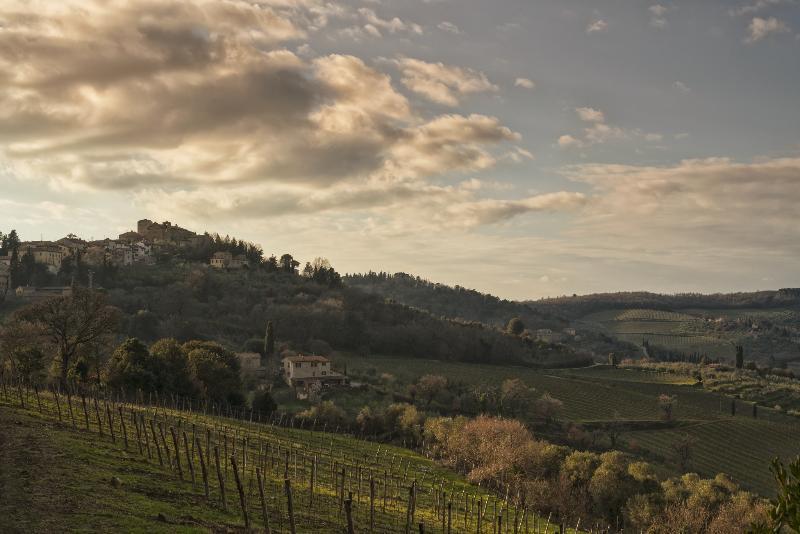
x=269 y=340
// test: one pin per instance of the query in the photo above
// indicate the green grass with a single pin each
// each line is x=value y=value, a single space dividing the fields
x=59 y=478
x=739 y=446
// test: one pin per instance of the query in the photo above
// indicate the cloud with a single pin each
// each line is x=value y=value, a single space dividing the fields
x=590 y=115
x=449 y=27
x=598 y=26
x=757 y=6
x=690 y=205
x=201 y=108
x=597 y=131
x=657 y=15
x=525 y=83
x=440 y=83
x=393 y=25
x=681 y=88
x=760 y=28
x=567 y=141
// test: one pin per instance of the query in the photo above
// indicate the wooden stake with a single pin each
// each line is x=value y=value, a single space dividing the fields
x=264 y=512
x=155 y=440
x=348 y=510
x=85 y=411
x=97 y=413
x=202 y=467
x=188 y=457
x=290 y=507
x=371 y=504
x=122 y=424
x=242 y=501
x=221 y=480
x=111 y=424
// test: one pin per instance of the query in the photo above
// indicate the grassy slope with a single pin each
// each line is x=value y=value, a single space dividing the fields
x=739 y=446
x=55 y=478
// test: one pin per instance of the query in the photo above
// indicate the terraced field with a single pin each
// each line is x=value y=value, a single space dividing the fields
x=679 y=331
x=740 y=446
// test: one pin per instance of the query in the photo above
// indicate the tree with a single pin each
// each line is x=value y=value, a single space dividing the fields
x=739 y=357
x=216 y=371
x=429 y=386
x=72 y=322
x=132 y=368
x=30 y=364
x=11 y=248
x=269 y=340
x=684 y=448
x=264 y=403
x=171 y=364
x=289 y=264
x=785 y=509
x=667 y=403
x=515 y=395
x=515 y=326
x=548 y=407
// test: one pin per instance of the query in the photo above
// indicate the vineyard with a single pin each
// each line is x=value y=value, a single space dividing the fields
x=676 y=331
x=239 y=470
x=724 y=443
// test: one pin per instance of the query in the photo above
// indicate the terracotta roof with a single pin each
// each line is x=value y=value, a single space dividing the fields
x=307 y=358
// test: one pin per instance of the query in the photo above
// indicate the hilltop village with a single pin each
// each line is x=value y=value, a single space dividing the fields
x=24 y=265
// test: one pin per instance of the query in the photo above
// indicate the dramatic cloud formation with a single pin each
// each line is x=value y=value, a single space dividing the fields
x=369 y=131
x=695 y=204
x=198 y=108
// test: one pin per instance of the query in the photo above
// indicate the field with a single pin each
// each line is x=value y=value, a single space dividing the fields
x=108 y=466
x=738 y=445
x=679 y=331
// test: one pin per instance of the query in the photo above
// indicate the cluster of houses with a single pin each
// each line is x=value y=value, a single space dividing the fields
x=140 y=246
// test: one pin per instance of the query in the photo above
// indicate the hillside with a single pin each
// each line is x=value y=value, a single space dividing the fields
x=578 y=306
x=91 y=472
x=606 y=408
x=453 y=301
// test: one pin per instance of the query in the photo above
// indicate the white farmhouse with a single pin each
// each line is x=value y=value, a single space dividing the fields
x=302 y=371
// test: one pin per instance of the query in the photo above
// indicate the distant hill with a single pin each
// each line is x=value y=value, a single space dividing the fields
x=580 y=305
x=453 y=301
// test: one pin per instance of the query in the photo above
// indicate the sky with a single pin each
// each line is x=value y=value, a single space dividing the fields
x=527 y=149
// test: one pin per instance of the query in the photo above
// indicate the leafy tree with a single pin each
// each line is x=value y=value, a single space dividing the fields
x=216 y=371
x=515 y=326
x=289 y=264
x=785 y=510
x=264 y=403
x=131 y=367
x=30 y=364
x=72 y=322
x=171 y=364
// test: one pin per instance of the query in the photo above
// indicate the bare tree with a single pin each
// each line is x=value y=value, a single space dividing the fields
x=72 y=322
